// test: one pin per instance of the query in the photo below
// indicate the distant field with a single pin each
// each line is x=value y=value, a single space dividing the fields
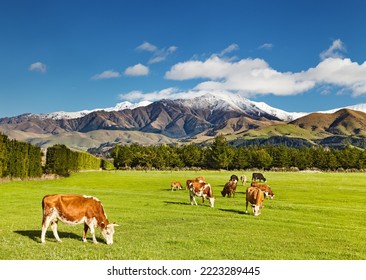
x=313 y=216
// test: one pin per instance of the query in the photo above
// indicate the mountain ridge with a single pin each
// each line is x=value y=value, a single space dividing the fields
x=198 y=119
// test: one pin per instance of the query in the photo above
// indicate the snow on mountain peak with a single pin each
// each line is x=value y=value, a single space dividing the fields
x=229 y=101
x=218 y=100
x=74 y=115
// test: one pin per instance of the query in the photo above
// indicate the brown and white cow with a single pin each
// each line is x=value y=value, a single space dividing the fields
x=229 y=189
x=267 y=190
x=255 y=197
x=200 y=179
x=75 y=209
x=176 y=185
x=203 y=190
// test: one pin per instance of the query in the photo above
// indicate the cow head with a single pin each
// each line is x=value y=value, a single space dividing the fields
x=108 y=232
x=270 y=193
x=256 y=210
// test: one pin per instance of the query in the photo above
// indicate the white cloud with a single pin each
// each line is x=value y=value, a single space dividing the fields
x=168 y=93
x=109 y=74
x=340 y=72
x=229 y=49
x=158 y=55
x=255 y=76
x=249 y=76
x=38 y=67
x=335 y=50
x=266 y=46
x=146 y=46
x=137 y=70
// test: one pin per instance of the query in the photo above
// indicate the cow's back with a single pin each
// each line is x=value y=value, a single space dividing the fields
x=73 y=207
x=254 y=195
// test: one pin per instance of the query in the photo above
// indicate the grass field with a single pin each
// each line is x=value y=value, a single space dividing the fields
x=314 y=216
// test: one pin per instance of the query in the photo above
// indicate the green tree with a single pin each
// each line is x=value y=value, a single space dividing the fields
x=220 y=154
x=191 y=155
x=261 y=159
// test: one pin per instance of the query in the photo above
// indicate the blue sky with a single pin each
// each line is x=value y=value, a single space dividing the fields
x=74 y=55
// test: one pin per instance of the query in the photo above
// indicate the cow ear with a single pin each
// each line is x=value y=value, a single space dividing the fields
x=116 y=225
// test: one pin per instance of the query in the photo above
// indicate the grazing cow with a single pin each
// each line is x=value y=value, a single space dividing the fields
x=75 y=209
x=255 y=197
x=234 y=178
x=229 y=189
x=203 y=190
x=267 y=190
x=200 y=179
x=176 y=186
x=258 y=176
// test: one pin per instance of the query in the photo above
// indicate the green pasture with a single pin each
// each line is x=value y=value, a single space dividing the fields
x=314 y=216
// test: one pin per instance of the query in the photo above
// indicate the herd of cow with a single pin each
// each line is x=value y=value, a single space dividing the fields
x=78 y=209
x=255 y=193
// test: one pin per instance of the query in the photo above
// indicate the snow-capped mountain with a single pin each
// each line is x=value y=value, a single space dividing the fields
x=215 y=101
x=228 y=102
x=74 y=115
x=201 y=117
x=359 y=107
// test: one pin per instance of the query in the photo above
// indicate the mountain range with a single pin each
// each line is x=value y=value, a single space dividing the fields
x=185 y=120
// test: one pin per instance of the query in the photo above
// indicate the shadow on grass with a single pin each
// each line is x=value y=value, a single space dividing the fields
x=177 y=203
x=186 y=203
x=234 y=211
x=35 y=235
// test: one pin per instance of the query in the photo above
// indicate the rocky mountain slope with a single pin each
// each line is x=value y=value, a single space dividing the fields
x=166 y=121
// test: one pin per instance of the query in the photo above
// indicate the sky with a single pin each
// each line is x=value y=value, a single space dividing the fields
x=72 y=55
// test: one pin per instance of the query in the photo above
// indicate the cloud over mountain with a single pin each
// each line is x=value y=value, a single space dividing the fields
x=256 y=77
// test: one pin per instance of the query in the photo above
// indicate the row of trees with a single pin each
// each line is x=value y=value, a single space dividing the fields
x=19 y=159
x=61 y=160
x=220 y=155
x=23 y=160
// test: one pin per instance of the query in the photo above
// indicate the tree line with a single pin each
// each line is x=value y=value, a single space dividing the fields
x=19 y=159
x=61 y=160
x=221 y=155
x=23 y=160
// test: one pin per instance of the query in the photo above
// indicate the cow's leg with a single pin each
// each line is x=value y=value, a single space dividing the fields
x=45 y=224
x=92 y=231
x=54 y=229
x=86 y=227
x=246 y=207
x=193 y=200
